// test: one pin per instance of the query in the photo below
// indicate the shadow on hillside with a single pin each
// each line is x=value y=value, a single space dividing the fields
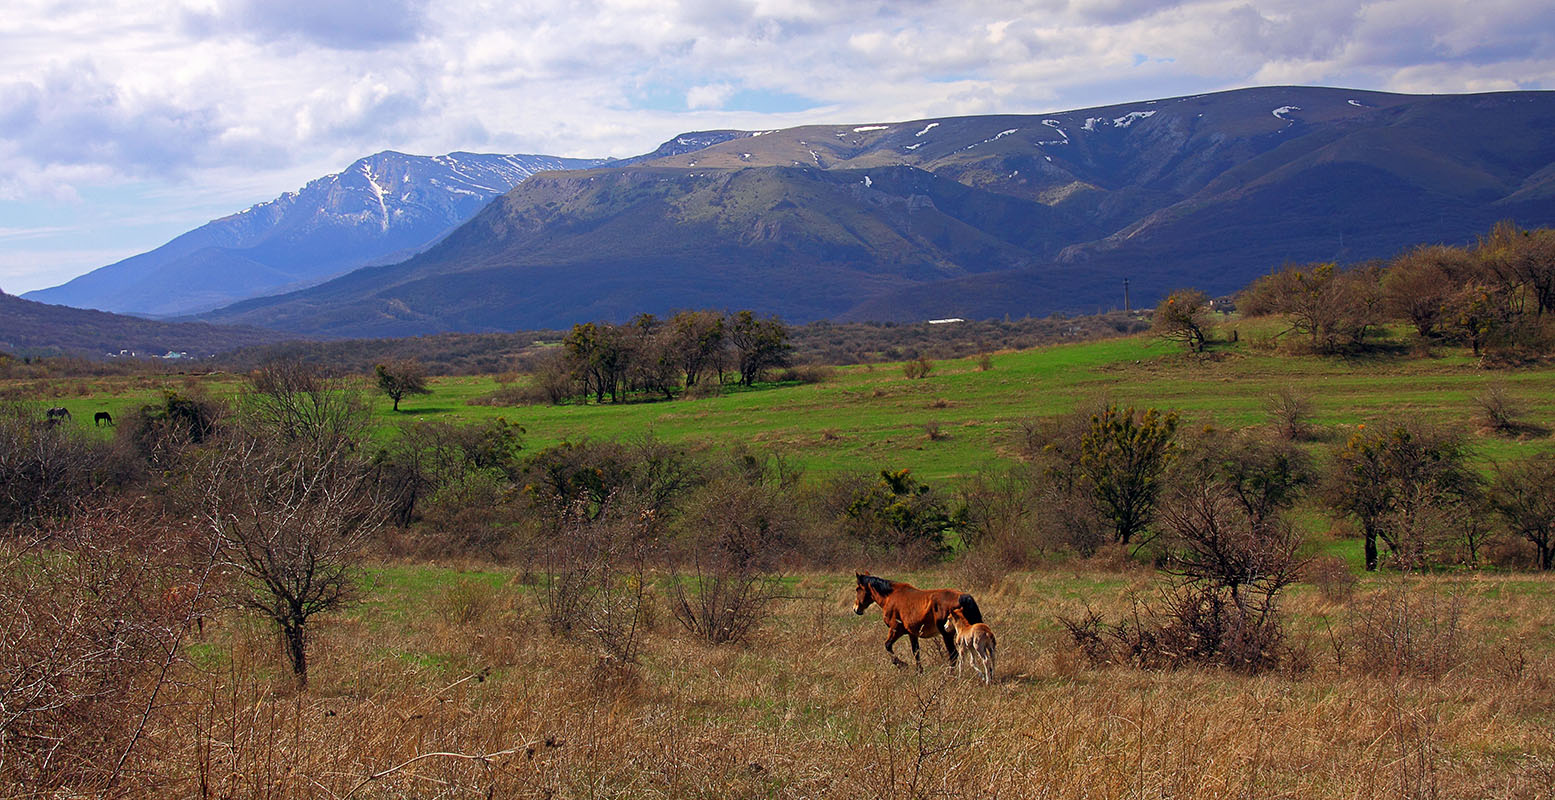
x=425 y=411
x=1377 y=353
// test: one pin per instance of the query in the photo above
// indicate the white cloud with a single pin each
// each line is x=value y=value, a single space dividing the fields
x=191 y=93
x=713 y=95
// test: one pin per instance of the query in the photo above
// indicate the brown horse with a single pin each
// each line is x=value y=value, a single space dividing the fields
x=912 y=612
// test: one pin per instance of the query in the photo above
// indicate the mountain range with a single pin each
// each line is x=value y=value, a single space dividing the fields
x=381 y=209
x=973 y=217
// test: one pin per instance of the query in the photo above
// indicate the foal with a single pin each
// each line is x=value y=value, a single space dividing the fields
x=974 y=638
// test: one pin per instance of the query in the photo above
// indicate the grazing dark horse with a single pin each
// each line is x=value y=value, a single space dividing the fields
x=914 y=613
x=100 y=417
x=56 y=414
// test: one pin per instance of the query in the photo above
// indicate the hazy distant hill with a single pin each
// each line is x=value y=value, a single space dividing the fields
x=381 y=209
x=971 y=216
x=27 y=327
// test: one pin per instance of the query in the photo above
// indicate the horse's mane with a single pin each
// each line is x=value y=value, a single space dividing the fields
x=880 y=585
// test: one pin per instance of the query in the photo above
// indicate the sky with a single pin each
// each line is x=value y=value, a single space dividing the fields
x=124 y=124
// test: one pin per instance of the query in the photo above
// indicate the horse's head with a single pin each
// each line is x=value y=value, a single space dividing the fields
x=861 y=596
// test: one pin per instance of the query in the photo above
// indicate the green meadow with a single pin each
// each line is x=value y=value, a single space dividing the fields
x=869 y=417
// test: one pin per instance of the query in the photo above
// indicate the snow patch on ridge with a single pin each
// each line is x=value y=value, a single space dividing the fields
x=1131 y=117
x=995 y=137
x=927 y=128
x=1053 y=123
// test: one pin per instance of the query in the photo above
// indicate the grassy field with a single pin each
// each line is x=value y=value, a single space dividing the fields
x=446 y=682
x=872 y=417
x=442 y=660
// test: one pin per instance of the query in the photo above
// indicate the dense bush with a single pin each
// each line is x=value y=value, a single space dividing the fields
x=900 y=515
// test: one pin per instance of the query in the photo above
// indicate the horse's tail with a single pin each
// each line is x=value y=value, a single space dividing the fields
x=969 y=609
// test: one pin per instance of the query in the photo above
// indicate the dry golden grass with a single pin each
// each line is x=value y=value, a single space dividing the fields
x=811 y=708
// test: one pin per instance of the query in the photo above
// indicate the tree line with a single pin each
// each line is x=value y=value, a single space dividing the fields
x=1494 y=297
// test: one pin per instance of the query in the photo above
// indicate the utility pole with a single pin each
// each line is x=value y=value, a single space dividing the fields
x=1126 y=309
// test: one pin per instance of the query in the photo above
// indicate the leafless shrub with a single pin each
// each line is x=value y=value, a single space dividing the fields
x=1233 y=562
x=984 y=362
x=1001 y=531
x=292 y=401
x=467 y=602
x=1291 y=412
x=934 y=432
x=1501 y=412
x=162 y=434
x=917 y=739
x=92 y=626
x=1402 y=632
x=740 y=531
x=982 y=567
x=44 y=469
x=1090 y=634
x=1334 y=579
x=596 y=583
x=919 y=367
x=1510 y=658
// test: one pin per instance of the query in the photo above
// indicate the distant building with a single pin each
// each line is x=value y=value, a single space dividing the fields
x=172 y=354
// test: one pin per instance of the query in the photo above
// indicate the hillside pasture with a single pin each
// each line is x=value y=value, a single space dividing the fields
x=457 y=662
x=871 y=417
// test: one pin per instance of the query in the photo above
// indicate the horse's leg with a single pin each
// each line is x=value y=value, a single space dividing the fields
x=958 y=662
x=890 y=641
x=913 y=638
x=950 y=645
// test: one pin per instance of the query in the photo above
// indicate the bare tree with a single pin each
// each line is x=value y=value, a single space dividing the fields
x=1521 y=494
x=1291 y=411
x=1419 y=284
x=1522 y=262
x=291 y=519
x=290 y=401
x=1334 y=309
